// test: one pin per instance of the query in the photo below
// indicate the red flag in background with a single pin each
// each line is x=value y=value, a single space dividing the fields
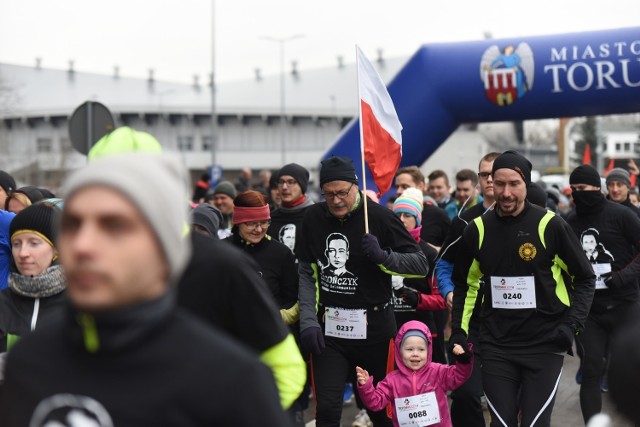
x=381 y=131
x=586 y=157
x=608 y=168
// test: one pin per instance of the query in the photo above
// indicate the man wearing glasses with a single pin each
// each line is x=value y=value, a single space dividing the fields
x=292 y=180
x=348 y=321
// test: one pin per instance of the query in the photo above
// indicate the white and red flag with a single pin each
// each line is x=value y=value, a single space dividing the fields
x=380 y=128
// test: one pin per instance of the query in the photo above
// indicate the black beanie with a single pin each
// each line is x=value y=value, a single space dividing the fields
x=515 y=161
x=298 y=172
x=536 y=195
x=41 y=218
x=33 y=193
x=7 y=182
x=337 y=169
x=585 y=174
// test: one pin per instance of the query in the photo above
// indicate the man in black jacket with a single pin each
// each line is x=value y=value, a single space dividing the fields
x=286 y=221
x=346 y=319
x=610 y=236
x=536 y=287
x=123 y=354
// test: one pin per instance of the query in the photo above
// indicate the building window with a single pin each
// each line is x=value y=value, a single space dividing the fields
x=627 y=147
x=65 y=145
x=618 y=147
x=185 y=143
x=44 y=145
x=206 y=143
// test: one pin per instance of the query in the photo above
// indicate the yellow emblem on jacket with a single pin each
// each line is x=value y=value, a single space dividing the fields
x=527 y=251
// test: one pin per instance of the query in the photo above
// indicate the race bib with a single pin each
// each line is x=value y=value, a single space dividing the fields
x=345 y=323
x=513 y=292
x=601 y=269
x=421 y=410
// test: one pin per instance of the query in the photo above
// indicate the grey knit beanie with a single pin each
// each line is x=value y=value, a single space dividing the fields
x=157 y=185
x=620 y=175
x=225 y=187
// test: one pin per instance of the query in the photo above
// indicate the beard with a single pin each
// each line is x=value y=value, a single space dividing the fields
x=514 y=204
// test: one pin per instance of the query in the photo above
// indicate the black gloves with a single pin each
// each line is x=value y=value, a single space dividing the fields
x=312 y=340
x=564 y=335
x=461 y=340
x=610 y=279
x=371 y=248
x=409 y=296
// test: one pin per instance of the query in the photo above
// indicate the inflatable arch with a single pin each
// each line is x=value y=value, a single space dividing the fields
x=444 y=85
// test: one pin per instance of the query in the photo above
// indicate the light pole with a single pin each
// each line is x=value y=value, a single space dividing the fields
x=214 y=121
x=283 y=128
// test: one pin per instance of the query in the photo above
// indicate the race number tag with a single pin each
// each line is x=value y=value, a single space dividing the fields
x=345 y=323
x=513 y=292
x=601 y=269
x=420 y=410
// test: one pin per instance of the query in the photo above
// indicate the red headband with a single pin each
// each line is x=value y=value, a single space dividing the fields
x=242 y=214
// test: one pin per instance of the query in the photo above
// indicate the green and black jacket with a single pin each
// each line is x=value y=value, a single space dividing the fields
x=535 y=243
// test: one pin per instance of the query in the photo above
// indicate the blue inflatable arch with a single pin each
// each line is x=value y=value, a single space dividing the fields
x=567 y=75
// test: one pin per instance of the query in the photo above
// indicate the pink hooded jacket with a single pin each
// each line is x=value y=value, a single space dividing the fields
x=404 y=382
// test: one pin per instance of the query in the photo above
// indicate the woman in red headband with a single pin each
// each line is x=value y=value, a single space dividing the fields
x=275 y=262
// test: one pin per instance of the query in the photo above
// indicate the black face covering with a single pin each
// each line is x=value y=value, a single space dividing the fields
x=588 y=202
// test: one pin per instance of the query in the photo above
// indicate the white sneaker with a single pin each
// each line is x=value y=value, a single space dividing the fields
x=362 y=419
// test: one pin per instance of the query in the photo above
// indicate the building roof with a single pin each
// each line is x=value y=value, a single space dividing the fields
x=330 y=91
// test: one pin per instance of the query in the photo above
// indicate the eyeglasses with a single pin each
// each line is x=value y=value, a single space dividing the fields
x=484 y=175
x=254 y=225
x=289 y=182
x=329 y=195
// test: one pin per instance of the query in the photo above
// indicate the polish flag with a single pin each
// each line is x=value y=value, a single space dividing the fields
x=380 y=128
x=586 y=157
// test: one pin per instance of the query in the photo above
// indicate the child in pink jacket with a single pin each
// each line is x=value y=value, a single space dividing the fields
x=417 y=390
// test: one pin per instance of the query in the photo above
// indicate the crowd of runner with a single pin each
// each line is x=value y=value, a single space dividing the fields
x=136 y=300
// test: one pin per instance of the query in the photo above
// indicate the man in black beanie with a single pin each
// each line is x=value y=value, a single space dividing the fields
x=610 y=236
x=536 y=293
x=345 y=274
x=292 y=181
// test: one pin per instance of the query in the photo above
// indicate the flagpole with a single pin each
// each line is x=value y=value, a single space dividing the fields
x=364 y=175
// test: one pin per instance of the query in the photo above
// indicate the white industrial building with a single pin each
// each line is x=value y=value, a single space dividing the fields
x=36 y=103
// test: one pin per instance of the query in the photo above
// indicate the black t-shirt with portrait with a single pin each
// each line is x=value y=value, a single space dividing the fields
x=346 y=277
x=286 y=227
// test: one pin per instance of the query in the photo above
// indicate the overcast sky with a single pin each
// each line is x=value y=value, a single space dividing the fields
x=174 y=37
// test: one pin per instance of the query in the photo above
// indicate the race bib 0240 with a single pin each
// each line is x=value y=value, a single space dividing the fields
x=513 y=292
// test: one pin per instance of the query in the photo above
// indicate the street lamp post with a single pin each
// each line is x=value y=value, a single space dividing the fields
x=283 y=127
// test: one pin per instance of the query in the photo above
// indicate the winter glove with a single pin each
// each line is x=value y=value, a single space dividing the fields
x=409 y=296
x=564 y=335
x=290 y=315
x=610 y=279
x=371 y=248
x=312 y=340
x=461 y=340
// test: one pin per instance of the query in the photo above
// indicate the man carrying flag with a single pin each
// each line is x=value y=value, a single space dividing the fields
x=346 y=319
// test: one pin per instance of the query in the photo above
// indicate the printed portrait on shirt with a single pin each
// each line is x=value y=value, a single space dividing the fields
x=593 y=248
x=287 y=236
x=334 y=276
